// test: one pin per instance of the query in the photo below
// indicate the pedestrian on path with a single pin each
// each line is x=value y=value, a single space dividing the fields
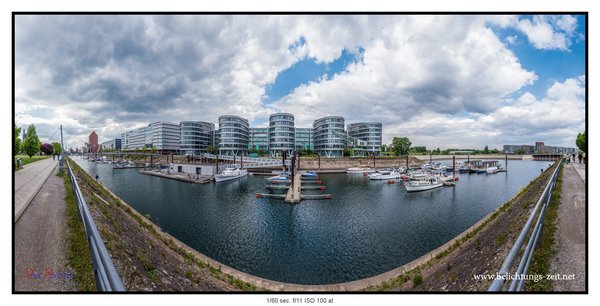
x=580 y=156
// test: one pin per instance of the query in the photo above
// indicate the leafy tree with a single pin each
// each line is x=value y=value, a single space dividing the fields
x=47 y=149
x=401 y=145
x=154 y=150
x=347 y=152
x=56 y=148
x=31 y=144
x=581 y=141
x=384 y=148
x=486 y=150
x=212 y=150
x=17 y=147
x=136 y=150
x=520 y=151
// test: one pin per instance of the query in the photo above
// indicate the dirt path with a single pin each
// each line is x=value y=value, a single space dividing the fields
x=40 y=242
x=570 y=234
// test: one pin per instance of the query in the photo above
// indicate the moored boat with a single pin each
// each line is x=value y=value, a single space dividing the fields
x=230 y=173
x=385 y=175
x=359 y=170
x=422 y=185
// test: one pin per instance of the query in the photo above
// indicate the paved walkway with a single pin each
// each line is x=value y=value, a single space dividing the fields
x=40 y=243
x=570 y=235
x=28 y=182
x=580 y=168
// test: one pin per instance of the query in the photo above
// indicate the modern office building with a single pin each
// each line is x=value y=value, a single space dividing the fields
x=328 y=134
x=281 y=133
x=234 y=135
x=93 y=145
x=216 y=138
x=134 y=139
x=370 y=133
x=259 y=140
x=165 y=136
x=113 y=145
x=196 y=136
x=304 y=139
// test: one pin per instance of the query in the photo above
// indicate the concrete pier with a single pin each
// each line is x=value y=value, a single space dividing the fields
x=293 y=195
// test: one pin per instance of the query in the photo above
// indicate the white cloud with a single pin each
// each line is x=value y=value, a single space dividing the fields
x=126 y=71
x=511 y=39
x=549 y=32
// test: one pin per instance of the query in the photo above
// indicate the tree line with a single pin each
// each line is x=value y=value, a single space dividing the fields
x=31 y=144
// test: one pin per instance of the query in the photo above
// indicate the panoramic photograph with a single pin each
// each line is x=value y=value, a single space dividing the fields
x=435 y=153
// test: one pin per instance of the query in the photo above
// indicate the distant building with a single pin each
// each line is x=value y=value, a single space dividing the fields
x=304 y=139
x=539 y=148
x=259 y=140
x=93 y=145
x=165 y=136
x=114 y=145
x=134 y=139
x=370 y=133
x=234 y=135
x=328 y=133
x=281 y=133
x=196 y=136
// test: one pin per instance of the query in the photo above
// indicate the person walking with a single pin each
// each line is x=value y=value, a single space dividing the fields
x=580 y=157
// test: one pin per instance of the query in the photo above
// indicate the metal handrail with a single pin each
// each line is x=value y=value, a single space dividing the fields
x=541 y=206
x=107 y=277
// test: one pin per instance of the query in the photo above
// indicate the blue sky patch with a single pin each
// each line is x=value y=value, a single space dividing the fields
x=308 y=70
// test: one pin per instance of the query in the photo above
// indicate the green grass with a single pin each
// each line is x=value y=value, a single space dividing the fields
x=417 y=280
x=87 y=180
x=546 y=248
x=78 y=251
x=27 y=160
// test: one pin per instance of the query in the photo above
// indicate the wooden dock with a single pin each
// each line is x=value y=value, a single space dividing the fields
x=200 y=180
x=293 y=194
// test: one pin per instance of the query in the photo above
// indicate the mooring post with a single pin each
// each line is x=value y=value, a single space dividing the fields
x=506 y=162
x=151 y=161
x=453 y=166
x=319 y=161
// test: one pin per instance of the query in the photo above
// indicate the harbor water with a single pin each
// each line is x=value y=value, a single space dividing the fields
x=367 y=228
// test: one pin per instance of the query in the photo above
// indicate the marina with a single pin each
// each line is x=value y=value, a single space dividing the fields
x=366 y=228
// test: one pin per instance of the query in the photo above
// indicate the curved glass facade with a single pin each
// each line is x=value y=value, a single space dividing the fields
x=196 y=136
x=326 y=137
x=281 y=133
x=234 y=135
x=369 y=132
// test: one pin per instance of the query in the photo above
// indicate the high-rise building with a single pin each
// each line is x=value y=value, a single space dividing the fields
x=93 y=145
x=304 y=139
x=196 y=136
x=233 y=135
x=328 y=133
x=370 y=133
x=281 y=133
x=165 y=136
x=259 y=140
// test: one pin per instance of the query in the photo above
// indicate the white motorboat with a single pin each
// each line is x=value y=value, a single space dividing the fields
x=360 y=170
x=417 y=174
x=283 y=176
x=491 y=170
x=230 y=173
x=422 y=185
x=385 y=175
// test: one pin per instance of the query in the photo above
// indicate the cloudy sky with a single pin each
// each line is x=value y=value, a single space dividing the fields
x=442 y=81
